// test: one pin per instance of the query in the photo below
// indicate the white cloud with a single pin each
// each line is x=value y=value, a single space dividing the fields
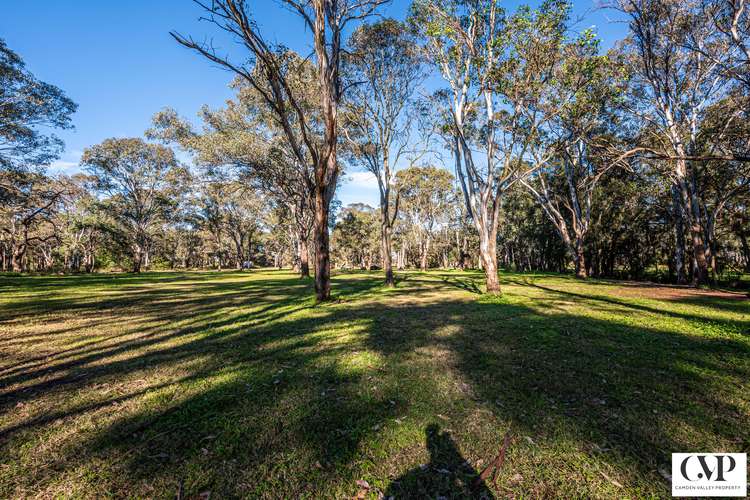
x=361 y=180
x=64 y=167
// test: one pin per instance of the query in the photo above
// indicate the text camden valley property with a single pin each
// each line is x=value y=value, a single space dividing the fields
x=709 y=474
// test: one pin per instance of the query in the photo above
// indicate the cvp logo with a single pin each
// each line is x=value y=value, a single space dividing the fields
x=709 y=474
x=707 y=471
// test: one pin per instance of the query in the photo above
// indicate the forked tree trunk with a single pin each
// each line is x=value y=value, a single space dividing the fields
x=401 y=258
x=425 y=254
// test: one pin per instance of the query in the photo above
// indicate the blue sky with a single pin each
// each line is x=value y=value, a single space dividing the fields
x=118 y=62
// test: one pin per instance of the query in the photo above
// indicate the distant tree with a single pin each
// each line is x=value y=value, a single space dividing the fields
x=28 y=107
x=82 y=226
x=355 y=236
x=385 y=70
x=426 y=197
x=327 y=21
x=27 y=213
x=140 y=182
x=244 y=142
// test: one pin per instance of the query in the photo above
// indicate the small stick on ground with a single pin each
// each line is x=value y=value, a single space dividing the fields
x=495 y=465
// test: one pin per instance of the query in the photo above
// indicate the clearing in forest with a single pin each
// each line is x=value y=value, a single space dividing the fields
x=237 y=384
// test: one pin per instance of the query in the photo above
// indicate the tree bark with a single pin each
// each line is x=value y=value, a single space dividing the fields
x=137 y=259
x=679 y=240
x=579 y=259
x=387 y=257
x=304 y=259
x=488 y=258
x=425 y=254
x=322 y=255
x=19 y=251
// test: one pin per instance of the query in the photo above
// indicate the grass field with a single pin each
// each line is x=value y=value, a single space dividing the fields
x=236 y=384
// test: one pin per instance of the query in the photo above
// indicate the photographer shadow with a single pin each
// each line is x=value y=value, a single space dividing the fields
x=447 y=475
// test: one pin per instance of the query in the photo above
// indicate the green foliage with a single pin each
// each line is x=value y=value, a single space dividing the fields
x=28 y=107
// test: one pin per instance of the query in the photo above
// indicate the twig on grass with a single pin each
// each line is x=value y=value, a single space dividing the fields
x=494 y=466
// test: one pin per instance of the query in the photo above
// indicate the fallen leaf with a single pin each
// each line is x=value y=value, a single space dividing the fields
x=613 y=481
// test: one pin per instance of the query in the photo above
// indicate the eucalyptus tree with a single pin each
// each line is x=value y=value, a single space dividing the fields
x=243 y=142
x=327 y=21
x=355 y=237
x=28 y=109
x=498 y=69
x=585 y=91
x=426 y=198
x=139 y=183
x=245 y=211
x=27 y=214
x=82 y=226
x=385 y=71
x=673 y=86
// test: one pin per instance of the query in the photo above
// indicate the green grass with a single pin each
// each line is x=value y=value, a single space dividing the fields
x=237 y=384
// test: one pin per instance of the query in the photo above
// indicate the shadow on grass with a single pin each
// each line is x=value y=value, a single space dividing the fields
x=446 y=475
x=252 y=391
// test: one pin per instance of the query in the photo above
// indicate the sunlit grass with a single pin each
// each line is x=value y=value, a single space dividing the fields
x=238 y=384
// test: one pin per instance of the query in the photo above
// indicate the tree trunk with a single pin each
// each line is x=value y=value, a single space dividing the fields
x=304 y=258
x=387 y=253
x=425 y=254
x=679 y=234
x=579 y=259
x=400 y=257
x=137 y=259
x=18 y=254
x=322 y=255
x=699 y=255
x=488 y=259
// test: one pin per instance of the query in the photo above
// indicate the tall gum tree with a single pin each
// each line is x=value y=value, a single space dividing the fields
x=674 y=85
x=427 y=196
x=584 y=103
x=327 y=21
x=384 y=70
x=497 y=67
x=139 y=182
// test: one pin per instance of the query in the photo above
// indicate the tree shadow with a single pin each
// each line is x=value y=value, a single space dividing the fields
x=257 y=393
x=447 y=475
x=466 y=284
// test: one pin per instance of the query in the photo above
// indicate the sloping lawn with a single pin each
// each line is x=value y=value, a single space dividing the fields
x=237 y=385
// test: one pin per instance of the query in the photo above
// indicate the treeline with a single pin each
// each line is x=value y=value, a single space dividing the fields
x=632 y=162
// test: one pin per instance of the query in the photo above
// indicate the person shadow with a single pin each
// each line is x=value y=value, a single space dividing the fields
x=447 y=475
